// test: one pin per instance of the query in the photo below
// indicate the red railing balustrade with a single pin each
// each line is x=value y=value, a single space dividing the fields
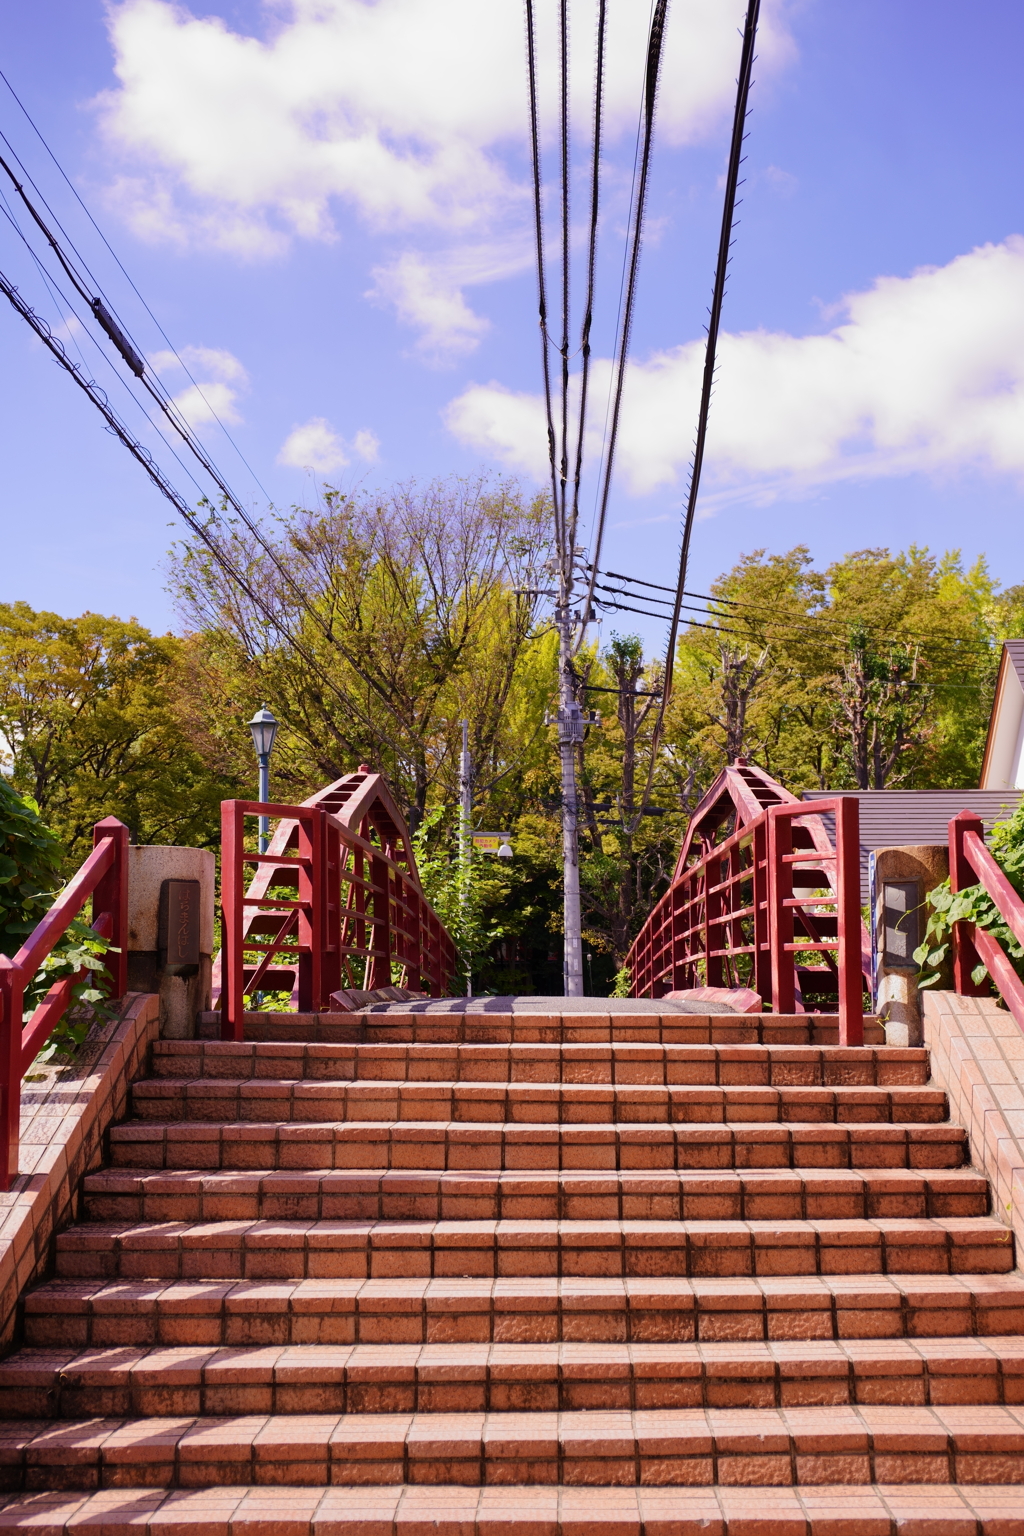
x=971 y=863
x=104 y=877
x=751 y=910
x=355 y=907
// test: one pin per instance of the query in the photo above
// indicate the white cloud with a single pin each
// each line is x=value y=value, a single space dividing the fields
x=429 y=299
x=217 y=379
x=367 y=445
x=926 y=373
x=401 y=109
x=317 y=446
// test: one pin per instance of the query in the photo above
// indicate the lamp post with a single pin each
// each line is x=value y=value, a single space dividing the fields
x=264 y=728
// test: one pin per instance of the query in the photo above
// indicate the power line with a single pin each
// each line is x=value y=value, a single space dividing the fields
x=714 y=320
x=124 y=272
x=142 y=455
x=651 y=78
x=542 y=298
x=588 y=310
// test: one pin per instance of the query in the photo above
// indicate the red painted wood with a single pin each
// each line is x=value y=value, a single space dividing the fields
x=104 y=877
x=961 y=875
x=851 y=983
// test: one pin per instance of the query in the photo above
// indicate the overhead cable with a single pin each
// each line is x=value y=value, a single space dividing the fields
x=120 y=265
x=588 y=308
x=652 y=76
x=142 y=455
x=542 y=297
x=714 y=322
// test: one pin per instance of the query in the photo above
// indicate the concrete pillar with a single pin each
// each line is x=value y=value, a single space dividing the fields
x=170 y=931
x=900 y=880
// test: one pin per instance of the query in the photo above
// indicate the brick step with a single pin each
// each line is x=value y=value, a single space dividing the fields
x=486 y=1028
x=625 y=1064
x=464 y=1144
x=428 y=1195
x=258 y=1099
x=507 y=1378
x=917 y=1509
x=97 y=1314
x=665 y=1447
x=310 y=1250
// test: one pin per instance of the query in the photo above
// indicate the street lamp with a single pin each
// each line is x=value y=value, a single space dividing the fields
x=264 y=728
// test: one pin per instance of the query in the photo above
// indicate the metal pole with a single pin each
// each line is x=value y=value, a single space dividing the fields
x=570 y=732
x=264 y=762
x=466 y=836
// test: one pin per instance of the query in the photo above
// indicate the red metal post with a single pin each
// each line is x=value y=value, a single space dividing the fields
x=380 y=925
x=780 y=917
x=12 y=986
x=851 y=983
x=310 y=888
x=714 y=905
x=111 y=896
x=761 y=979
x=961 y=875
x=232 y=886
x=331 y=903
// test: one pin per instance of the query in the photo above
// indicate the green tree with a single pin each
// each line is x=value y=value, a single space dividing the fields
x=412 y=612
x=30 y=863
x=89 y=727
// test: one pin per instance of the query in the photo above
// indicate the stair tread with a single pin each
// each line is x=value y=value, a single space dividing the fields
x=585 y=1360
x=936 y=1509
x=796 y=1446
x=626 y=1061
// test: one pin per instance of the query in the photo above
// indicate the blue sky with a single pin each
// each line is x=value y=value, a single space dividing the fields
x=326 y=206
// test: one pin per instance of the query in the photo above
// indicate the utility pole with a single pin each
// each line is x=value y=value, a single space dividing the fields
x=571 y=721
x=466 y=837
x=570 y=733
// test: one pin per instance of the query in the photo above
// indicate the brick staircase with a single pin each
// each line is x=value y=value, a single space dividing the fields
x=447 y=1274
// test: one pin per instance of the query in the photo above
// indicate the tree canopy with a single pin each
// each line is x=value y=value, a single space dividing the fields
x=418 y=607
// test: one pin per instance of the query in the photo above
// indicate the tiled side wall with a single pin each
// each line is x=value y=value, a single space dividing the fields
x=63 y=1129
x=977 y=1052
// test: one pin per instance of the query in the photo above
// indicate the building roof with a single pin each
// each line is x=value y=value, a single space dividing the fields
x=910 y=817
x=1002 y=765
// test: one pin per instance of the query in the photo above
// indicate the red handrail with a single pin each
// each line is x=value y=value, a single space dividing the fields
x=353 y=903
x=971 y=863
x=104 y=877
x=731 y=918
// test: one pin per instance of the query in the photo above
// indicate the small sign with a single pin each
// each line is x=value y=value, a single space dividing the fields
x=178 y=934
x=901 y=900
x=489 y=842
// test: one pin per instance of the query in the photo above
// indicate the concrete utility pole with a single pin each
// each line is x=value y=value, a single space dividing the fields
x=571 y=721
x=466 y=830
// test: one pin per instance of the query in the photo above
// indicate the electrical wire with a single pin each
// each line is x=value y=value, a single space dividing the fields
x=651 y=78
x=170 y=410
x=542 y=299
x=588 y=310
x=142 y=455
x=563 y=461
x=771 y=617
x=124 y=272
x=714 y=322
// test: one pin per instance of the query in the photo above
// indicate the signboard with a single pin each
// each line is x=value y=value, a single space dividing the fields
x=179 y=927
x=489 y=842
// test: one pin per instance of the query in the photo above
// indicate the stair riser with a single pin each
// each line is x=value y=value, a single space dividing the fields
x=258 y=1100
x=271 y=1147
x=718 y=1255
x=541 y=1029
x=626 y=1065
x=126 y=1399
x=436 y=1204
x=697 y=1460
x=413 y=1324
